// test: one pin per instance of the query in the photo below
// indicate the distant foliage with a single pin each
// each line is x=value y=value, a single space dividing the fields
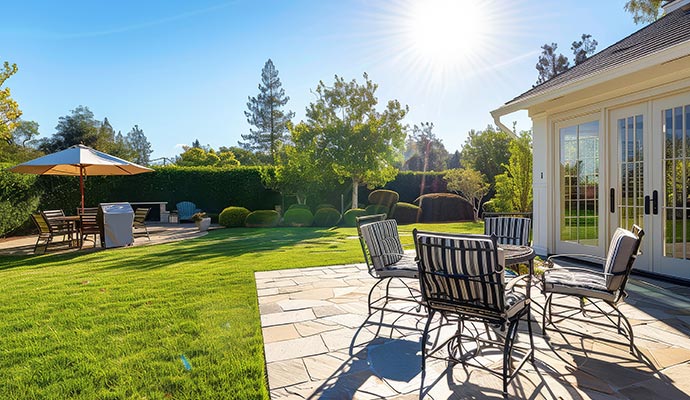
x=233 y=217
x=551 y=63
x=444 y=207
x=486 y=151
x=18 y=199
x=201 y=157
x=262 y=219
x=514 y=186
x=468 y=184
x=298 y=217
x=583 y=48
x=140 y=146
x=424 y=151
x=326 y=216
x=9 y=109
x=266 y=115
x=644 y=11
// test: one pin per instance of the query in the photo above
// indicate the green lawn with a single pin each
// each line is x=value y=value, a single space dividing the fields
x=115 y=323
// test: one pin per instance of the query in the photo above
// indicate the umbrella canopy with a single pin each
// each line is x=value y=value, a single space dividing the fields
x=81 y=161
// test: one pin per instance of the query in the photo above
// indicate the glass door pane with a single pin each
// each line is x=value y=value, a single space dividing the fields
x=579 y=178
x=676 y=132
x=631 y=169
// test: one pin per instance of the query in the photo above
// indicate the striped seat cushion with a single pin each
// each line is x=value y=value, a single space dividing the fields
x=577 y=282
x=383 y=243
x=509 y=230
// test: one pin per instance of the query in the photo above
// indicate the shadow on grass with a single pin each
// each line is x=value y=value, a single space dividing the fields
x=225 y=243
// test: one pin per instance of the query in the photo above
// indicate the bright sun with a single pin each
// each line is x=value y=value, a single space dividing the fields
x=446 y=32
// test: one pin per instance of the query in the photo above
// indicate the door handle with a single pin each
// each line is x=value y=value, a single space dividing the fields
x=646 y=205
x=612 y=200
x=655 y=202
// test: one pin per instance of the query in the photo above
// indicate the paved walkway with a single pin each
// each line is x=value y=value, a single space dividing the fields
x=158 y=232
x=319 y=344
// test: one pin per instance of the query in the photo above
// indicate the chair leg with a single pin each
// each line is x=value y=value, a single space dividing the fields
x=425 y=334
x=529 y=331
x=371 y=291
x=547 y=312
x=147 y=232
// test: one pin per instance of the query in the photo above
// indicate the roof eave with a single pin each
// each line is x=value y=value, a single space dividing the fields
x=592 y=79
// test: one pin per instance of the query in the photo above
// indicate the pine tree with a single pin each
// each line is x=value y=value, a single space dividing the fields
x=550 y=63
x=266 y=114
x=141 y=148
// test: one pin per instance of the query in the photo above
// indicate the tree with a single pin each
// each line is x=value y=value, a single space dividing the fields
x=358 y=142
x=469 y=184
x=247 y=157
x=486 y=151
x=24 y=134
x=550 y=64
x=514 y=186
x=644 y=11
x=199 y=156
x=266 y=114
x=583 y=48
x=454 y=161
x=9 y=109
x=79 y=127
x=140 y=146
x=428 y=151
x=22 y=144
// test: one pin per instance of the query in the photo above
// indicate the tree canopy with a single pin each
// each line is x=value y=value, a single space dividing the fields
x=486 y=151
x=551 y=63
x=266 y=114
x=9 y=109
x=355 y=140
x=644 y=11
x=514 y=185
x=469 y=184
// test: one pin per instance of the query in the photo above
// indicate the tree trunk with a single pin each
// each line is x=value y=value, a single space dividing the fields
x=355 y=192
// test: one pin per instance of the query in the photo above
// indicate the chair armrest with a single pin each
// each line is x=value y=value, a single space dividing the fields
x=587 y=257
x=514 y=281
x=589 y=270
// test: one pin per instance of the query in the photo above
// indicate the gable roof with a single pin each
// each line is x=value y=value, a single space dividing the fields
x=671 y=29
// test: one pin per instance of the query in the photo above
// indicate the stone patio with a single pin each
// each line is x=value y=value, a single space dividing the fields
x=319 y=343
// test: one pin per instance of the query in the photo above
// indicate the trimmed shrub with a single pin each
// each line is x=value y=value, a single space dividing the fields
x=350 y=216
x=376 y=209
x=326 y=217
x=299 y=206
x=406 y=213
x=443 y=207
x=383 y=197
x=320 y=206
x=262 y=219
x=298 y=217
x=233 y=216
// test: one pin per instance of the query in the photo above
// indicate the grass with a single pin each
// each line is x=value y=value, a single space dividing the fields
x=114 y=324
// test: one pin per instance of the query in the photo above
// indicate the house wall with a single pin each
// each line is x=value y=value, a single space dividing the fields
x=542 y=178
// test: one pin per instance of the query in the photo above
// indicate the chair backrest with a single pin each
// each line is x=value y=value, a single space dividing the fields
x=89 y=221
x=509 y=230
x=621 y=256
x=50 y=214
x=383 y=243
x=41 y=223
x=140 y=215
x=359 y=222
x=460 y=272
x=186 y=209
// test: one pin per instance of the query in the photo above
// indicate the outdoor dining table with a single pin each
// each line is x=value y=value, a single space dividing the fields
x=73 y=221
x=516 y=255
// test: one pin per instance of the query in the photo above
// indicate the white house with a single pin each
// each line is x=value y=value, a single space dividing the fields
x=612 y=147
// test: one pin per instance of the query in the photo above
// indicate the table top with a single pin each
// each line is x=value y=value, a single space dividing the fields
x=515 y=254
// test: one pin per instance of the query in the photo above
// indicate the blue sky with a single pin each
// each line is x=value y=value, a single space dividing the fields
x=183 y=70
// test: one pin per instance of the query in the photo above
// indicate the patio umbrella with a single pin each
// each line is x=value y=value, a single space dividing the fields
x=81 y=161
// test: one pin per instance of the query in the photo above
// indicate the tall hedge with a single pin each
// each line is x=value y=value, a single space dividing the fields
x=18 y=199
x=211 y=189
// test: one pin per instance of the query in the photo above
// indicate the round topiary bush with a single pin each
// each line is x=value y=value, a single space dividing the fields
x=406 y=213
x=233 y=216
x=383 y=197
x=262 y=219
x=326 y=217
x=350 y=216
x=376 y=209
x=298 y=217
x=325 y=205
x=444 y=207
x=299 y=206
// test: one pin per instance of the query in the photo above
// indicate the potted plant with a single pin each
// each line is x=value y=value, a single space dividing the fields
x=202 y=221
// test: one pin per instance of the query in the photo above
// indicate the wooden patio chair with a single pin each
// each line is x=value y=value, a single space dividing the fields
x=48 y=232
x=88 y=225
x=139 y=222
x=386 y=260
x=460 y=279
x=597 y=286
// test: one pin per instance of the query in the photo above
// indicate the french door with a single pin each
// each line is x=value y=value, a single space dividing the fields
x=650 y=180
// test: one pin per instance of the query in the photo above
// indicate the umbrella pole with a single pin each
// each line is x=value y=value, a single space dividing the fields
x=81 y=187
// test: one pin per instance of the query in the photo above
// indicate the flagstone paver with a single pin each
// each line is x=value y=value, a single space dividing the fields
x=319 y=343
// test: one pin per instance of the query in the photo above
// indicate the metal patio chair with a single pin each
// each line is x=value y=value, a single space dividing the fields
x=460 y=279
x=509 y=230
x=596 y=286
x=386 y=260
